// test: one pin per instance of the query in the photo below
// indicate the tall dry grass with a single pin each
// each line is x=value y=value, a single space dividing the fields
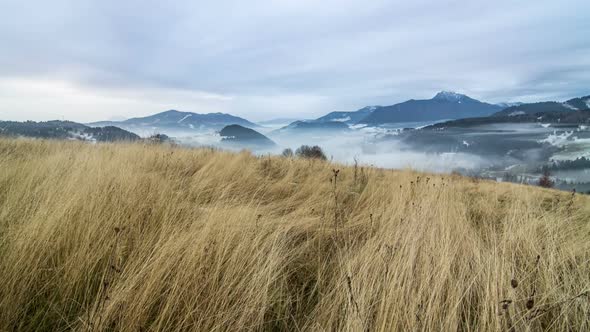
x=139 y=238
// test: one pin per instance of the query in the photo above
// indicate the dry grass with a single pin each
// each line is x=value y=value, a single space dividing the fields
x=139 y=238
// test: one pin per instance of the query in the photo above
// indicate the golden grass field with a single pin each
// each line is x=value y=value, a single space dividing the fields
x=133 y=237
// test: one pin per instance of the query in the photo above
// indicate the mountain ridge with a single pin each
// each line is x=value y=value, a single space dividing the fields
x=572 y=111
x=178 y=120
x=310 y=126
x=349 y=117
x=57 y=129
x=574 y=104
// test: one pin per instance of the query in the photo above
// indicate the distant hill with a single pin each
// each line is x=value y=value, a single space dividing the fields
x=333 y=121
x=561 y=117
x=178 y=121
x=237 y=134
x=348 y=117
x=445 y=105
x=575 y=104
x=506 y=105
x=582 y=103
x=310 y=126
x=65 y=130
x=110 y=134
x=277 y=121
x=533 y=108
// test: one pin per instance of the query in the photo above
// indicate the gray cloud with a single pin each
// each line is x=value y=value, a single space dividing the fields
x=89 y=60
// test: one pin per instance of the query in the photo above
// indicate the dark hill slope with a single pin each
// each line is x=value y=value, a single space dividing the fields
x=237 y=134
x=65 y=130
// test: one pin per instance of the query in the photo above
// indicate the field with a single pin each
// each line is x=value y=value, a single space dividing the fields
x=138 y=237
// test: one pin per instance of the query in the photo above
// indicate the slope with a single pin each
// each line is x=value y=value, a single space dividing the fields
x=136 y=237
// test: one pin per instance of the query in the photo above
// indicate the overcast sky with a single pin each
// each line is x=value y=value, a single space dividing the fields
x=94 y=60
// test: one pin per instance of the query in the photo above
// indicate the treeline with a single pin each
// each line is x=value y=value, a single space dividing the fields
x=306 y=151
x=64 y=130
x=577 y=164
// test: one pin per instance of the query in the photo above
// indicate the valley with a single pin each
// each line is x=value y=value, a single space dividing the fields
x=512 y=142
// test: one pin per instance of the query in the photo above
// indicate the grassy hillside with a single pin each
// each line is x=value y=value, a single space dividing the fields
x=141 y=237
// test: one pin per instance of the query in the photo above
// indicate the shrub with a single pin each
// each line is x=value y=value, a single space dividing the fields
x=545 y=179
x=159 y=138
x=288 y=153
x=310 y=152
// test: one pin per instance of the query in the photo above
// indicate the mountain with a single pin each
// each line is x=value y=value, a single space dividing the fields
x=311 y=126
x=173 y=120
x=65 y=130
x=237 y=134
x=348 y=117
x=445 y=105
x=575 y=104
x=574 y=111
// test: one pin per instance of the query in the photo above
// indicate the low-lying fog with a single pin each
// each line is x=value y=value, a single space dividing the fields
x=490 y=150
x=379 y=147
x=344 y=147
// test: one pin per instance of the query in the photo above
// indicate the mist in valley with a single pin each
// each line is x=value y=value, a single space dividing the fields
x=507 y=152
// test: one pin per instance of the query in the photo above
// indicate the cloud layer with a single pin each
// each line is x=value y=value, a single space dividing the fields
x=93 y=60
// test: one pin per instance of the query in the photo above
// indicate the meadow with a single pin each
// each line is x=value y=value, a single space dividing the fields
x=146 y=237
